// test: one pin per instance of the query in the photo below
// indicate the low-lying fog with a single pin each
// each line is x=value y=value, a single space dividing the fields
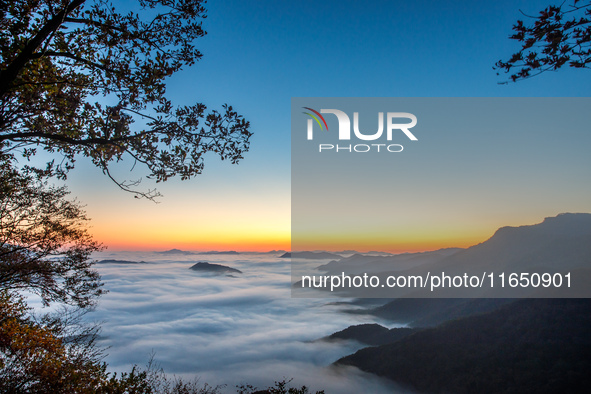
x=225 y=330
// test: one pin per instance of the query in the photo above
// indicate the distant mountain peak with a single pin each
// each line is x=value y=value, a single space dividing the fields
x=176 y=251
x=568 y=224
x=562 y=242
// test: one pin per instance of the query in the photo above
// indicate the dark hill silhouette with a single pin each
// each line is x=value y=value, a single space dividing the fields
x=427 y=312
x=311 y=255
x=120 y=262
x=371 y=334
x=214 y=268
x=528 y=346
x=362 y=263
x=231 y=252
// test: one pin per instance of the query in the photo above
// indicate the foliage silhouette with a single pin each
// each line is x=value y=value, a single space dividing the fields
x=45 y=246
x=559 y=36
x=75 y=75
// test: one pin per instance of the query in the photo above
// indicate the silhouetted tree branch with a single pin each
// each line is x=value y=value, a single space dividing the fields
x=560 y=35
x=76 y=76
x=45 y=247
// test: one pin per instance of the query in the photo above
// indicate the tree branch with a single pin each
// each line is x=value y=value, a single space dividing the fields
x=73 y=57
x=10 y=73
x=94 y=23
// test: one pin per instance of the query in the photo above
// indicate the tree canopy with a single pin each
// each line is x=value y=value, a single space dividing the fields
x=45 y=246
x=79 y=78
x=559 y=36
x=36 y=358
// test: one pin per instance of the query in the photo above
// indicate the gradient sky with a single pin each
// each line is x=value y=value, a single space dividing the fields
x=258 y=55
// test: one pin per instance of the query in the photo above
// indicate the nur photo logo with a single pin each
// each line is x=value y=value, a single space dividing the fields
x=393 y=124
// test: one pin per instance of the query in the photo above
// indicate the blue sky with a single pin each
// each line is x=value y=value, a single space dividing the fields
x=257 y=55
x=260 y=54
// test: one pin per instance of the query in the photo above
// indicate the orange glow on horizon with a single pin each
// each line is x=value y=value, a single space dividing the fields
x=157 y=241
x=238 y=246
x=395 y=240
x=253 y=244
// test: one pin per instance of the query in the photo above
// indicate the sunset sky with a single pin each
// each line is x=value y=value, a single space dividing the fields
x=258 y=55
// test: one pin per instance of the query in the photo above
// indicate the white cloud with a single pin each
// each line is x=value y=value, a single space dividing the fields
x=226 y=330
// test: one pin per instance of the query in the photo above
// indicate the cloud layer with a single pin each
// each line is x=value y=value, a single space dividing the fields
x=224 y=330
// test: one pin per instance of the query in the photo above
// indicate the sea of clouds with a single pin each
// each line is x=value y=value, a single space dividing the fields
x=225 y=330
